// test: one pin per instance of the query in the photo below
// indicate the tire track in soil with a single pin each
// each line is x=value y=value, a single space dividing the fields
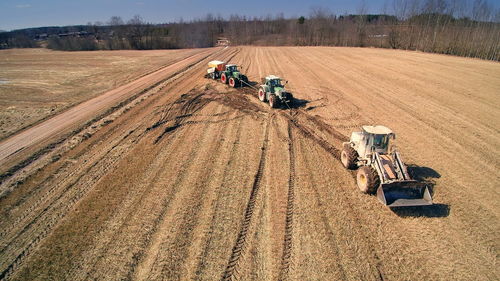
x=45 y=195
x=239 y=246
x=218 y=203
x=288 y=243
x=308 y=133
x=357 y=217
x=147 y=239
x=161 y=264
x=39 y=152
x=78 y=194
x=324 y=219
x=59 y=209
x=164 y=157
x=65 y=189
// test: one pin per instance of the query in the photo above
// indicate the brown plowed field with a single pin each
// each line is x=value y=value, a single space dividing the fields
x=38 y=83
x=26 y=142
x=194 y=180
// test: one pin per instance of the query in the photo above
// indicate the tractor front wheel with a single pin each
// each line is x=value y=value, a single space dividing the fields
x=233 y=83
x=348 y=157
x=262 y=95
x=367 y=180
x=273 y=101
x=223 y=78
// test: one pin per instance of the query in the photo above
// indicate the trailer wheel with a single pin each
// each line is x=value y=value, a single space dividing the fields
x=273 y=101
x=367 y=180
x=232 y=82
x=348 y=157
x=223 y=78
x=262 y=95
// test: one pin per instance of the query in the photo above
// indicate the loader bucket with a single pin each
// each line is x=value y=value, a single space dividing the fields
x=404 y=194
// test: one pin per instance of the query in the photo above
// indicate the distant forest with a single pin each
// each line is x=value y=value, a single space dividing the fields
x=454 y=27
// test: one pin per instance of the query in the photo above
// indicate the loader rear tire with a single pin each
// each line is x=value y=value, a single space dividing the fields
x=273 y=101
x=367 y=180
x=223 y=78
x=348 y=157
x=262 y=95
x=233 y=83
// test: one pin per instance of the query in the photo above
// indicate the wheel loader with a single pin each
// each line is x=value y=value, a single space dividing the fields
x=273 y=91
x=381 y=170
x=232 y=76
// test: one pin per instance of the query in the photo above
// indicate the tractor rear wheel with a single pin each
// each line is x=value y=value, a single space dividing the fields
x=273 y=101
x=233 y=83
x=223 y=78
x=348 y=157
x=367 y=180
x=262 y=95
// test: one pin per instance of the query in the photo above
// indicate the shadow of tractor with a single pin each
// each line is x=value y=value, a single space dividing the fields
x=296 y=103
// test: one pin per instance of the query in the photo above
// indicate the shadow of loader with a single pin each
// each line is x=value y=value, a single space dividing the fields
x=427 y=175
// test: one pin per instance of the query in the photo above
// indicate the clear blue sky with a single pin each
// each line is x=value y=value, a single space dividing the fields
x=15 y=14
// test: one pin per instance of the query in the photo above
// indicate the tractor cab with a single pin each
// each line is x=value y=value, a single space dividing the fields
x=231 y=68
x=274 y=83
x=273 y=90
x=232 y=76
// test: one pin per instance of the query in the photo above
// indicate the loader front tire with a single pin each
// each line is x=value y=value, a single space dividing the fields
x=262 y=95
x=367 y=180
x=223 y=78
x=273 y=101
x=348 y=157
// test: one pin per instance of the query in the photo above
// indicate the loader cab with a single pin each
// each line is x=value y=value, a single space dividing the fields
x=380 y=142
x=374 y=139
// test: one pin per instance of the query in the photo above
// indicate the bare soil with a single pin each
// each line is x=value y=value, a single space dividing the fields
x=196 y=180
x=38 y=83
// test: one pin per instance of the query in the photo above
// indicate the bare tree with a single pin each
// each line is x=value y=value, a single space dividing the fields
x=361 y=23
x=115 y=21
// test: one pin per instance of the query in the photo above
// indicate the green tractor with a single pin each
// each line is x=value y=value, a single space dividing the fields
x=273 y=90
x=232 y=76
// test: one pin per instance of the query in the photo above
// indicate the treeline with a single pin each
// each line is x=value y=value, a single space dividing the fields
x=116 y=34
x=457 y=27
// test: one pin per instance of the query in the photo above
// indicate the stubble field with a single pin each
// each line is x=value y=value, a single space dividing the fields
x=38 y=83
x=195 y=180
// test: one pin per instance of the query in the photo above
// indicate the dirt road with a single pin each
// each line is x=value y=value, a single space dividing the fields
x=205 y=182
x=36 y=84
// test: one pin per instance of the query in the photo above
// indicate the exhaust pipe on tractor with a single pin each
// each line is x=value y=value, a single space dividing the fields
x=404 y=194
